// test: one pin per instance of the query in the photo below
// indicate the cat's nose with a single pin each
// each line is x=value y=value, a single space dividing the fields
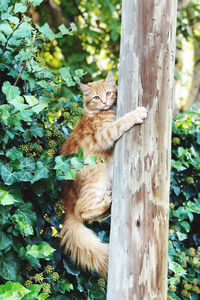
x=104 y=101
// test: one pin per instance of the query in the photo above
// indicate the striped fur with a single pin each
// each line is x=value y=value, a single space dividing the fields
x=87 y=198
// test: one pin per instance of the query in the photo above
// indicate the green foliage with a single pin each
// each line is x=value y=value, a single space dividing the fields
x=184 y=237
x=34 y=123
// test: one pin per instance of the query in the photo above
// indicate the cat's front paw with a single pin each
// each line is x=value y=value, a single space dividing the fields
x=140 y=114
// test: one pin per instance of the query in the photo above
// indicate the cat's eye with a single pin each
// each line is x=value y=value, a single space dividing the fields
x=108 y=94
x=96 y=97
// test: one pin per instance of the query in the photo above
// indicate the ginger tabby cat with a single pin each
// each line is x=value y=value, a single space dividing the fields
x=88 y=197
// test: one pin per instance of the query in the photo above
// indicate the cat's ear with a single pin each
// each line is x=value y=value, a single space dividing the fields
x=110 y=78
x=84 y=88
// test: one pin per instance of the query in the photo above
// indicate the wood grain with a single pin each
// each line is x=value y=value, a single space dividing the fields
x=139 y=226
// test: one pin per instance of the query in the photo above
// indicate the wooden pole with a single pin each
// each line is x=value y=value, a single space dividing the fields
x=139 y=224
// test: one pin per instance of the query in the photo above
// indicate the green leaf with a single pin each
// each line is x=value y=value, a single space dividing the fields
x=62 y=163
x=9 y=267
x=27 y=212
x=182 y=151
x=181 y=236
x=76 y=163
x=70 y=175
x=79 y=72
x=4 y=5
x=39 y=107
x=7 y=175
x=176 y=268
x=186 y=226
x=2 y=38
x=41 y=172
x=65 y=73
x=63 y=29
x=36 y=2
x=44 y=251
x=31 y=100
x=6 y=198
x=23 y=31
x=5 y=28
x=13 y=291
x=14 y=154
x=18 y=103
x=91 y=160
x=4 y=111
x=19 y=7
x=37 y=130
x=10 y=91
x=24 y=227
x=34 y=291
x=45 y=29
x=27 y=163
x=24 y=176
x=73 y=26
x=5 y=241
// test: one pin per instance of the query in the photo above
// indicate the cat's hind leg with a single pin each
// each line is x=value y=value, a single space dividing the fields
x=93 y=202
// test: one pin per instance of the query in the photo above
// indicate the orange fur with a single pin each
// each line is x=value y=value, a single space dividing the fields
x=88 y=197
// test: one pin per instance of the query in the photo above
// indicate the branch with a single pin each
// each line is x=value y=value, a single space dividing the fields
x=6 y=45
x=16 y=112
x=24 y=66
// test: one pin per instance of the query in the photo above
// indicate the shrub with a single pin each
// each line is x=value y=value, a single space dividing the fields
x=34 y=123
x=184 y=236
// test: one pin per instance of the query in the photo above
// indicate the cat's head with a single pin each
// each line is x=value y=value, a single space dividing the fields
x=99 y=95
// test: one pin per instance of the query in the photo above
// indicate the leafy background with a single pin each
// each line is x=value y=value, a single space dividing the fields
x=45 y=52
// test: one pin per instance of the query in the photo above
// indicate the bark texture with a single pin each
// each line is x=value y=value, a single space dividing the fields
x=139 y=226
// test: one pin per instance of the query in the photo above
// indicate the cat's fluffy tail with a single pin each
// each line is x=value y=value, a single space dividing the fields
x=85 y=247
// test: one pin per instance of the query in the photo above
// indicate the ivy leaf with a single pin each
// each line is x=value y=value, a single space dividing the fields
x=70 y=175
x=4 y=111
x=62 y=163
x=18 y=103
x=66 y=76
x=6 y=198
x=23 y=31
x=19 y=7
x=14 y=154
x=27 y=212
x=79 y=72
x=24 y=176
x=91 y=160
x=24 y=228
x=37 y=131
x=176 y=268
x=41 y=172
x=5 y=28
x=4 y=5
x=13 y=290
x=76 y=163
x=45 y=29
x=7 y=175
x=5 y=241
x=27 y=163
x=64 y=30
x=9 y=267
x=2 y=38
x=39 y=107
x=73 y=26
x=10 y=91
x=31 y=100
x=36 y=2
x=186 y=226
x=34 y=291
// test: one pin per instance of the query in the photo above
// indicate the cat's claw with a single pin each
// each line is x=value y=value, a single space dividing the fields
x=140 y=114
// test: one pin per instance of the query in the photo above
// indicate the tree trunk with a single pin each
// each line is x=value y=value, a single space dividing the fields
x=139 y=225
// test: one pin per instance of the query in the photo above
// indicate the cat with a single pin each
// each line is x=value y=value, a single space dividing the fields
x=88 y=197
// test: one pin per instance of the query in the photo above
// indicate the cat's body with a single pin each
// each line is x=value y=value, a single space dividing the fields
x=88 y=197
